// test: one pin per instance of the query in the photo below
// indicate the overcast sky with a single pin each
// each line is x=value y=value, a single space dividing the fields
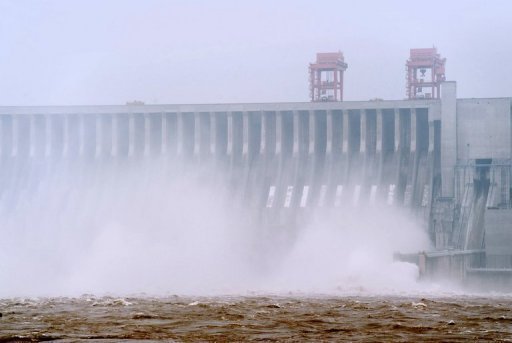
x=73 y=52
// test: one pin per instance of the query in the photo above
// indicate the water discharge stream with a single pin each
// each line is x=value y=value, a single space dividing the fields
x=124 y=227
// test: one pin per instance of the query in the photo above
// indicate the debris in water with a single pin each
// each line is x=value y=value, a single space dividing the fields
x=419 y=305
x=121 y=302
x=142 y=315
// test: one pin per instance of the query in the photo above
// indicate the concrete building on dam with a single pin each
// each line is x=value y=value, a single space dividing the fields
x=448 y=160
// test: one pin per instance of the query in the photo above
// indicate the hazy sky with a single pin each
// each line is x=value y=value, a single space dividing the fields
x=163 y=51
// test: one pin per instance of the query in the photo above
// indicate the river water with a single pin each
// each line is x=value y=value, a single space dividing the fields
x=258 y=318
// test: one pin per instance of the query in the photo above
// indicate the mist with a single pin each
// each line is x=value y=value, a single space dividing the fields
x=133 y=227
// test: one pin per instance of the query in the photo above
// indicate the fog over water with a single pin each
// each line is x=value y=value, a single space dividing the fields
x=140 y=227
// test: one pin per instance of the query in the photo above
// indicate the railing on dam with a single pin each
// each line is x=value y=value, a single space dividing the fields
x=283 y=158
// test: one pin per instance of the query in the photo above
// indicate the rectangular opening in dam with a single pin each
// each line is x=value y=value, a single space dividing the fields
x=286 y=133
x=303 y=134
x=388 y=132
x=73 y=135
x=422 y=130
x=104 y=143
x=320 y=132
x=57 y=135
x=354 y=132
x=38 y=136
x=221 y=134
x=155 y=134
x=123 y=134
x=404 y=157
x=237 y=135
x=171 y=133
x=88 y=135
x=405 y=129
x=6 y=135
x=138 y=134
x=371 y=132
x=23 y=128
x=188 y=133
x=270 y=133
x=254 y=132
x=204 y=147
x=337 y=132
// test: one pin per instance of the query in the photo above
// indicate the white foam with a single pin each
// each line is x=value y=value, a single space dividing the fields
x=339 y=194
x=271 y=196
x=304 y=197
x=288 y=198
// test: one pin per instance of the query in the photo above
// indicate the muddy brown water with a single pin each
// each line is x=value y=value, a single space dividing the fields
x=257 y=318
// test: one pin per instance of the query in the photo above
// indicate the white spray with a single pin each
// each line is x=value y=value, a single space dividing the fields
x=126 y=227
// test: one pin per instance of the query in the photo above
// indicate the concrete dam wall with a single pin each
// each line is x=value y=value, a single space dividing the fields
x=273 y=155
x=448 y=161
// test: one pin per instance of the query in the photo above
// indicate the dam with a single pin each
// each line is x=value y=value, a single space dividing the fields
x=447 y=161
x=285 y=155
